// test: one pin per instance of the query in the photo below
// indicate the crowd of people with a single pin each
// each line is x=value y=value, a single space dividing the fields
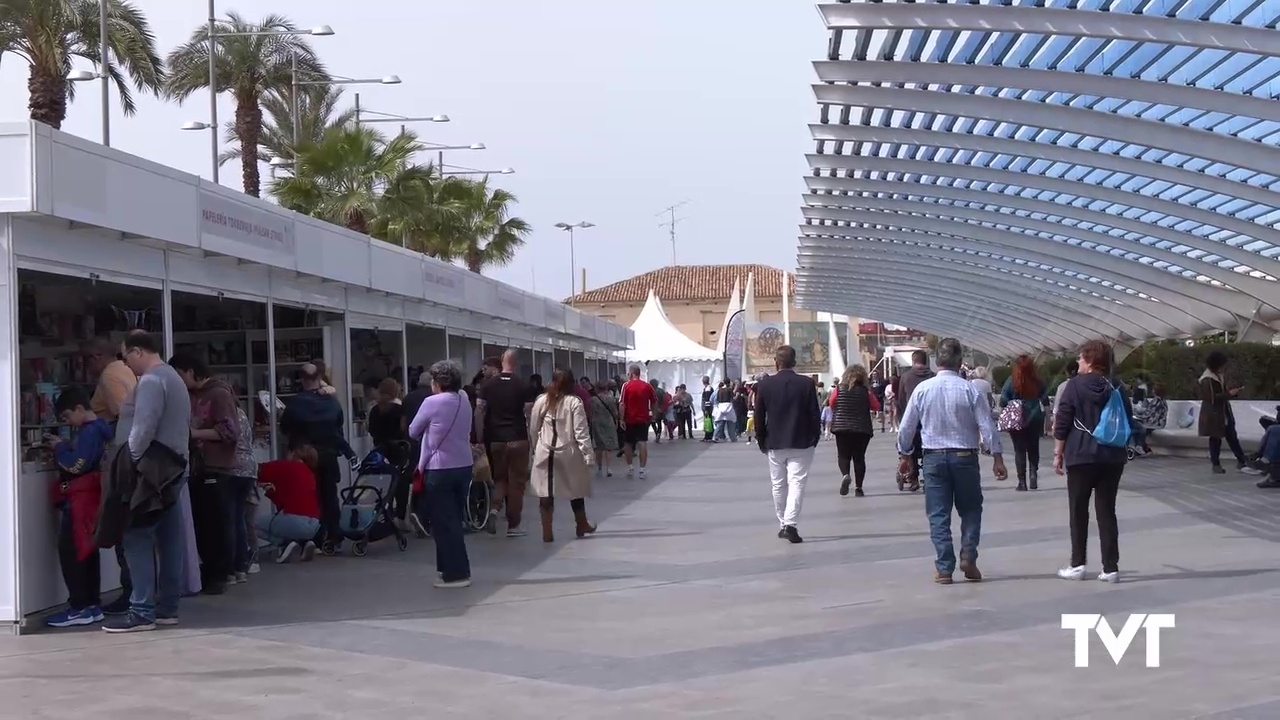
x=161 y=465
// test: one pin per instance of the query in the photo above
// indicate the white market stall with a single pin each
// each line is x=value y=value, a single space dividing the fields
x=665 y=353
x=95 y=242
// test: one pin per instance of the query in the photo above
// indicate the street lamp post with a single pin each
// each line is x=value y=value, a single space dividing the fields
x=103 y=74
x=212 y=125
x=330 y=80
x=473 y=171
x=391 y=118
x=573 y=265
x=439 y=149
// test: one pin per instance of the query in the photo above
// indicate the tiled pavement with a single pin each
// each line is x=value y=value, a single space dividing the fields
x=687 y=605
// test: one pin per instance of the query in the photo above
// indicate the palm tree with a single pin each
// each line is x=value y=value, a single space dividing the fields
x=357 y=178
x=317 y=111
x=250 y=60
x=485 y=235
x=48 y=34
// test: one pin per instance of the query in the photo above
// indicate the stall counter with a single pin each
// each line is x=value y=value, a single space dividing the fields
x=42 y=587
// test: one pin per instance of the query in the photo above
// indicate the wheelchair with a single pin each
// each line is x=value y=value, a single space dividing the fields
x=479 y=505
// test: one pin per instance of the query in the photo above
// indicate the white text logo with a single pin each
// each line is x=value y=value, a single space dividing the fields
x=1117 y=645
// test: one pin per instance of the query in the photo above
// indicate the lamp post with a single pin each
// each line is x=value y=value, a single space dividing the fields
x=331 y=80
x=473 y=171
x=441 y=148
x=103 y=74
x=212 y=125
x=390 y=118
x=573 y=265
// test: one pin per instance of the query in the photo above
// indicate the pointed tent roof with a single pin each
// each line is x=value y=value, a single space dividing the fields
x=657 y=340
x=749 y=299
x=734 y=306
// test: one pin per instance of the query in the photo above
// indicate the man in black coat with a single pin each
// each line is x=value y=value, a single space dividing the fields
x=788 y=428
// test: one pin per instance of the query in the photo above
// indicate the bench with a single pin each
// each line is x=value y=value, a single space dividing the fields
x=1181 y=436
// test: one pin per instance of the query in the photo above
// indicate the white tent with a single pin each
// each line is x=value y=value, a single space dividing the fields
x=665 y=353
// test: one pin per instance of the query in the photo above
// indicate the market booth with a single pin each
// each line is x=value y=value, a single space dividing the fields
x=95 y=242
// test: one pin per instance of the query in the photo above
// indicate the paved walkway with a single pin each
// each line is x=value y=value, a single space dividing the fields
x=687 y=605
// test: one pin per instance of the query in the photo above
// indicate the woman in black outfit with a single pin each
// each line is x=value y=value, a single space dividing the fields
x=740 y=406
x=387 y=430
x=1091 y=468
x=852 y=403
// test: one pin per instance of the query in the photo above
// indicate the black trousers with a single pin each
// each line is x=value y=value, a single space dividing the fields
x=327 y=480
x=211 y=516
x=852 y=448
x=1233 y=442
x=1102 y=480
x=1026 y=449
x=917 y=456
x=684 y=422
x=83 y=578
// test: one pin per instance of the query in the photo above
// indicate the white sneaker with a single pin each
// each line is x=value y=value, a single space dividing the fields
x=641 y=473
x=255 y=568
x=1072 y=573
x=630 y=472
x=287 y=553
x=308 y=551
x=1109 y=577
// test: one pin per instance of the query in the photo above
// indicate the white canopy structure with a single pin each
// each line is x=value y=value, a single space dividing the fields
x=665 y=353
x=734 y=306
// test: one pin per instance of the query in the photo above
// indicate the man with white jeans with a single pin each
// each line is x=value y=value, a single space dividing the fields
x=788 y=428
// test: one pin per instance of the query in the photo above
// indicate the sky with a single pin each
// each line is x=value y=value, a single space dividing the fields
x=609 y=112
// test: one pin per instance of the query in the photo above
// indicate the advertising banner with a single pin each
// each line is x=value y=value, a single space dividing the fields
x=762 y=341
x=812 y=341
x=734 y=343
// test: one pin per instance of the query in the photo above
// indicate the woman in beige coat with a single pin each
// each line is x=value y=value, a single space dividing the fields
x=562 y=453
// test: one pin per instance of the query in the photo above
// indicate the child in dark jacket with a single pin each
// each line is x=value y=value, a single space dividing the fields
x=77 y=496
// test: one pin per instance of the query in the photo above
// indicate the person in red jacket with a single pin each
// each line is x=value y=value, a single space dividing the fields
x=290 y=484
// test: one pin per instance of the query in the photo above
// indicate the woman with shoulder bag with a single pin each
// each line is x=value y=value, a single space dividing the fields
x=1093 y=465
x=604 y=427
x=1022 y=417
x=852 y=403
x=562 y=454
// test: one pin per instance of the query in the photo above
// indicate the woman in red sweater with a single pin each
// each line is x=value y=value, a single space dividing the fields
x=291 y=486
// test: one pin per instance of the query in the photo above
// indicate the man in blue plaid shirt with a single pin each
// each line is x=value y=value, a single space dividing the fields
x=955 y=421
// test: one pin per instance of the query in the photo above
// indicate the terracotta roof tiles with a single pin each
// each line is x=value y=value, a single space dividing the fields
x=688 y=283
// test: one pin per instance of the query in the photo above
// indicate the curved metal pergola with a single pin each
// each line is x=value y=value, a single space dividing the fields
x=1030 y=174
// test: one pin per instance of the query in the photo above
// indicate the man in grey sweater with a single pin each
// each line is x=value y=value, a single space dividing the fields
x=159 y=410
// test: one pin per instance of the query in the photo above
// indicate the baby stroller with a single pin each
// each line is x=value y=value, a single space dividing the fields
x=365 y=507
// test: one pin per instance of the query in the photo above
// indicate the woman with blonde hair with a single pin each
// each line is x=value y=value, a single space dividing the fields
x=562 y=453
x=852 y=403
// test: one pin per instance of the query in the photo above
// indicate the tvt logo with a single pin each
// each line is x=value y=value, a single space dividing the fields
x=1117 y=645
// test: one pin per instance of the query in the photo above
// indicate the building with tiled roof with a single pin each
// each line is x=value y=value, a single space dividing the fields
x=694 y=297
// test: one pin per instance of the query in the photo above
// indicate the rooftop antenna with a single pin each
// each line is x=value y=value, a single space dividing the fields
x=670 y=224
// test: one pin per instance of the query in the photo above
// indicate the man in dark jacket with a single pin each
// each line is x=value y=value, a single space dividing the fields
x=918 y=373
x=787 y=425
x=314 y=418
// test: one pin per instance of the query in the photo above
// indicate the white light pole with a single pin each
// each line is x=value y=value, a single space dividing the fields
x=390 y=118
x=212 y=125
x=472 y=171
x=573 y=265
x=331 y=80
x=103 y=74
x=441 y=148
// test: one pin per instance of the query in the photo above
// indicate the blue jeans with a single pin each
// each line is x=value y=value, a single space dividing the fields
x=282 y=528
x=154 y=555
x=952 y=478
x=445 y=497
x=1270 y=448
x=238 y=489
x=727 y=430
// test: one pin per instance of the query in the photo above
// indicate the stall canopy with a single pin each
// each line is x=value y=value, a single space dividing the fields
x=666 y=353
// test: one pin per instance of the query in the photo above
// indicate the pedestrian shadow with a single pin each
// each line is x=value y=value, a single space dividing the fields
x=1127 y=576
x=860 y=536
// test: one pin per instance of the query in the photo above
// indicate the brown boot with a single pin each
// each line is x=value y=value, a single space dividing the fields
x=580 y=516
x=547 y=510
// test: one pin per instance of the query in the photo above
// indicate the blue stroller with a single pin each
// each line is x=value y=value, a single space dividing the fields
x=365 y=507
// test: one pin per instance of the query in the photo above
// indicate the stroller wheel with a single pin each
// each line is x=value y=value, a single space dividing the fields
x=360 y=548
x=327 y=548
x=402 y=542
x=1131 y=452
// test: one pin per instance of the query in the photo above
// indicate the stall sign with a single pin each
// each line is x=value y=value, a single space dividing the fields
x=234 y=221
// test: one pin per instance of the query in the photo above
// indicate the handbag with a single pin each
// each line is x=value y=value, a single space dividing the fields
x=1012 y=417
x=419 y=483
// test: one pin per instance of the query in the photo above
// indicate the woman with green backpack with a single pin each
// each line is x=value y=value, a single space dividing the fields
x=1093 y=423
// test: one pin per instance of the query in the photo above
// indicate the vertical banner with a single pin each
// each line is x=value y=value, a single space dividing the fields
x=734 y=342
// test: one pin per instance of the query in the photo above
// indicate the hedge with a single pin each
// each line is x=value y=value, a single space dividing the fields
x=1254 y=366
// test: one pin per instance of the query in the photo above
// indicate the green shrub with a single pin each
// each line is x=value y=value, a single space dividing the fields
x=1254 y=366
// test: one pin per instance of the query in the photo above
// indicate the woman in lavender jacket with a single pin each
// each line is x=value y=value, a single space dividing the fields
x=443 y=425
